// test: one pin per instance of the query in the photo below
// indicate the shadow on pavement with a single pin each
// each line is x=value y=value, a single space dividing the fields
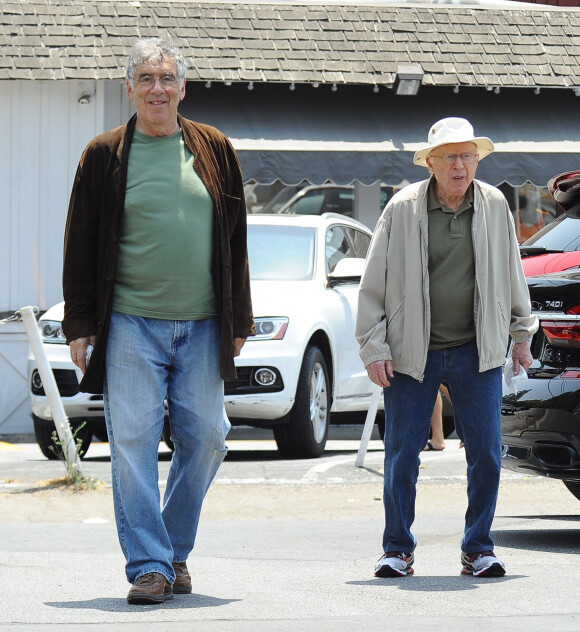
x=121 y=605
x=437 y=583
x=549 y=540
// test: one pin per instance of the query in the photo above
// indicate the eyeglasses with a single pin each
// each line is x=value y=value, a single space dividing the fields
x=148 y=81
x=450 y=159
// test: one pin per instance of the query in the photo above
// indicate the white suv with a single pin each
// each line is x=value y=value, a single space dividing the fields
x=302 y=365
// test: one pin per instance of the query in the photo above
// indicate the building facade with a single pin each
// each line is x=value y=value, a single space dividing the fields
x=340 y=92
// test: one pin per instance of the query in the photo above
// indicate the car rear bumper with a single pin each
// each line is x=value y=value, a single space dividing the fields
x=543 y=440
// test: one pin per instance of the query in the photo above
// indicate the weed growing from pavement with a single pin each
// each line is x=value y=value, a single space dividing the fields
x=80 y=483
x=74 y=478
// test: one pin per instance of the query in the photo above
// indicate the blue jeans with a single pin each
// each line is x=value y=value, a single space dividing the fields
x=409 y=404
x=148 y=361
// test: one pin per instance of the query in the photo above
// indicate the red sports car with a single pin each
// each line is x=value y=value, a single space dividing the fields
x=556 y=247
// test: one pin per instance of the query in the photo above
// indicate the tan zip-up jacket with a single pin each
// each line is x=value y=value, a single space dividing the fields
x=394 y=309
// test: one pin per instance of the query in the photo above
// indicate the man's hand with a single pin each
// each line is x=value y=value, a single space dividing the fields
x=380 y=372
x=78 y=351
x=237 y=346
x=521 y=356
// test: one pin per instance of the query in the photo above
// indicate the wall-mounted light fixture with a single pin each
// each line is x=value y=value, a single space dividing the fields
x=408 y=79
x=456 y=90
x=292 y=86
x=86 y=93
x=375 y=88
x=537 y=91
x=251 y=85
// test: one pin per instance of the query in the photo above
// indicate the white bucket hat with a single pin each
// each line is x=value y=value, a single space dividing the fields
x=452 y=130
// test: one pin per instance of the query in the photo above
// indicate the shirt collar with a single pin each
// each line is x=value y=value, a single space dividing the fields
x=434 y=204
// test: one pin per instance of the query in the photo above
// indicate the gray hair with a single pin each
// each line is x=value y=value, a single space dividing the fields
x=155 y=49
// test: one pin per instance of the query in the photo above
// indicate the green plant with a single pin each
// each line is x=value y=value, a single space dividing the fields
x=74 y=477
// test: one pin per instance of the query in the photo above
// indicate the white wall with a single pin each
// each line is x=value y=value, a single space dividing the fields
x=44 y=130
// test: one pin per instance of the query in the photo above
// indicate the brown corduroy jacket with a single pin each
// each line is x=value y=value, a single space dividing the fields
x=91 y=243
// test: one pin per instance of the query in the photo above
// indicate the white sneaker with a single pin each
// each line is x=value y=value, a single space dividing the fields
x=395 y=564
x=484 y=564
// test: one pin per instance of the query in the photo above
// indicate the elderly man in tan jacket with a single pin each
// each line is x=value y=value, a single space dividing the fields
x=442 y=292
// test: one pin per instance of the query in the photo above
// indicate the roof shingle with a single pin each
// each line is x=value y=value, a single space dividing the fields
x=455 y=45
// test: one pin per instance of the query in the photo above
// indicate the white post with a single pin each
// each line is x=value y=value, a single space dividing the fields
x=368 y=427
x=61 y=423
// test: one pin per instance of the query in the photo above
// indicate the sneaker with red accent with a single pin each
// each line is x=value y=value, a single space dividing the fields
x=484 y=564
x=395 y=564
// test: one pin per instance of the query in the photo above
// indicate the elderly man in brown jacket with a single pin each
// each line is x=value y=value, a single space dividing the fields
x=157 y=294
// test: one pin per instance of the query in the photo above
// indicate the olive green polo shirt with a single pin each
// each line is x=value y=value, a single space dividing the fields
x=451 y=271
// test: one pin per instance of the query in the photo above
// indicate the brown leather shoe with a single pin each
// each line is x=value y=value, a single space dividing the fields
x=149 y=589
x=182 y=583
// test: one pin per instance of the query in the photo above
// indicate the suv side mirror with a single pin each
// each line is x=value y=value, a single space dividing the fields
x=347 y=270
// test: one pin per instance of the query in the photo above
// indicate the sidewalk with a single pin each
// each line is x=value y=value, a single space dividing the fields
x=287 y=575
x=277 y=575
x=282 y=556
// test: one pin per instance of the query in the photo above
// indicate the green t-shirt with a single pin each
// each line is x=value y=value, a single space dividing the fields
x=166 y=237
x=451 y=272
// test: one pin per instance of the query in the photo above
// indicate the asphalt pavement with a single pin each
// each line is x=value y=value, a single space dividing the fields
x=289 y=545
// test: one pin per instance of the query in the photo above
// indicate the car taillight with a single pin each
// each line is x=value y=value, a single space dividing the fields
x=571 y=374
x=562 y=333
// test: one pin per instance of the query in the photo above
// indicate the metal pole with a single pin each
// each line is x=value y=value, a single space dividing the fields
x=61 y=422
x=368 y=427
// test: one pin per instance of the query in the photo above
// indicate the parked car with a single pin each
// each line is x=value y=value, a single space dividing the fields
x=303 y=364
x=275 y=201
x=541 y=419
x=328 y=198
x=553 y=248
x=556 y=247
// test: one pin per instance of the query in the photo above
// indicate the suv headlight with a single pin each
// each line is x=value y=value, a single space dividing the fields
x=51 y=332
x=270 y=328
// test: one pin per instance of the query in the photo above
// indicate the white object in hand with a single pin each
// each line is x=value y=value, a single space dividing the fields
x=515 y=383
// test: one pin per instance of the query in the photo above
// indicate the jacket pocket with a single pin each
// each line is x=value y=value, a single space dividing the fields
x=396 y=314
x=393 y=320
x=501 y=312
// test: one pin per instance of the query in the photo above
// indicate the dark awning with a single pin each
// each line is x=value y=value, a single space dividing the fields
x=354 y=134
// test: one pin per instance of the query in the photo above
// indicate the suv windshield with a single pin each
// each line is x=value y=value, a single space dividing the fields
x=562 y=235
x=281 y=252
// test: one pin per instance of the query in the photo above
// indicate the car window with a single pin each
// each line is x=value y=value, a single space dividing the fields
x=338 y=246
x=561 y=234
x=339 y=201
x=278 y=201
x=324 y=200
x=309 y=204
x=281 y=252
x=360 y=241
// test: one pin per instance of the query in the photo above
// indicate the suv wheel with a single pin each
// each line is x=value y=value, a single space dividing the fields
x=304 y=435
x=43 y=429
